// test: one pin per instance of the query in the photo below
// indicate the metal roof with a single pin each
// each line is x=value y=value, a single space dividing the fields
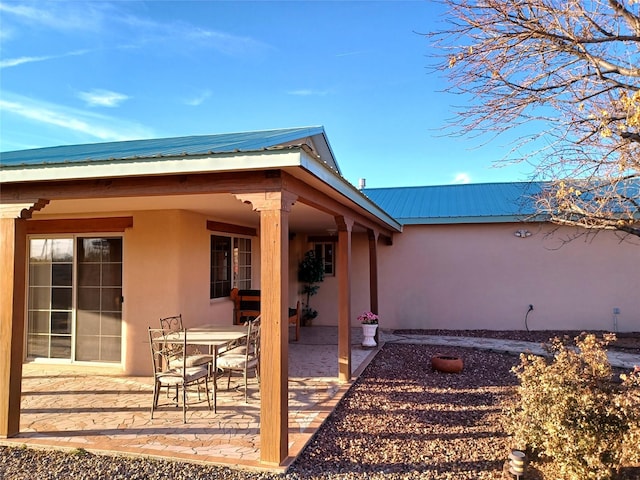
x=465 y=203
x=163 y=147
x=192 y=154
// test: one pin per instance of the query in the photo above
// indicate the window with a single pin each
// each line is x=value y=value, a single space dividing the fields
x=230 y=265
x=99 y=297
x=75 y=299
x=325 y=251
x=50 y=301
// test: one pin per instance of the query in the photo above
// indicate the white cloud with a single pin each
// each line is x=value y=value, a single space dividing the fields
x=14 y=62
x=305 y=92
x=98 y=126
x=462 y=177
x=120 y=22
x=102 y=98
x=221 y=41
x=57 y=15
x=198 y=99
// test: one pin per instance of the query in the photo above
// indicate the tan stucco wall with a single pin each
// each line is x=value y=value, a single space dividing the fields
x=326 y=300
x=483 y=277
x=451 y=277
x=297 y=247
x=166 y=272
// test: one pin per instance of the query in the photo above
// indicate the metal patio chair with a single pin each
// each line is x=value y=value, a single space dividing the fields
x=244 y=358
x=180 y=377
x=194 y=357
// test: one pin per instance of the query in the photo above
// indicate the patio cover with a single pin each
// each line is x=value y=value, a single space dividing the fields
x=289 y=176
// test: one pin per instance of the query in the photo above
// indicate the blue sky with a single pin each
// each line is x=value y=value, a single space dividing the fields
x=84 y=72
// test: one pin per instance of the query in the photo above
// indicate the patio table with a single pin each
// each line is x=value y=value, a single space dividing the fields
x=213 y=336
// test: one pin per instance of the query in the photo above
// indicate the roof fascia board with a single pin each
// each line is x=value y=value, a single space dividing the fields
x=329 y=151
x=338 y=183
x=153 y=166
x=465 y=220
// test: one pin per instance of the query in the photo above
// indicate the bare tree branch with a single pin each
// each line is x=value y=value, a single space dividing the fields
x=570 y=68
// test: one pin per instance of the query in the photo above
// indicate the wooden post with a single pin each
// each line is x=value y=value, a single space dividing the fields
x=12 y=302
x=373 y=274
x=274 y=208
x=345 y=225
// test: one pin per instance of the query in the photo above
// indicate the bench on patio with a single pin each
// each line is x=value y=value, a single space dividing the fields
x=246 y=306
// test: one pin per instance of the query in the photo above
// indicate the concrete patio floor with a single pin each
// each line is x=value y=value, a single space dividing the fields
x=99 y=410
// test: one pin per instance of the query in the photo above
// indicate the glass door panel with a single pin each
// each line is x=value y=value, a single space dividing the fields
x=50 y=305
x=99 y=300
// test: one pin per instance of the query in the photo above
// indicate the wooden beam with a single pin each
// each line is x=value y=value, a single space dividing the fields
x=274 y=208
x=343 y=272
x=79 y=225
x=144 y=186
x=373 y=270
x=231 y=228
x=322 y=239
x=373 y=274
x=320 y=201
x=223 y=182
x=23 y=208
x=12 y=301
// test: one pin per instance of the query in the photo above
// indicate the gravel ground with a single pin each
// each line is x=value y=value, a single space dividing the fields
x=400 y=420
x=625 y=341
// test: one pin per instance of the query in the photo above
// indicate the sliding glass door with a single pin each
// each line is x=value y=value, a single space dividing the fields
x=75 y=299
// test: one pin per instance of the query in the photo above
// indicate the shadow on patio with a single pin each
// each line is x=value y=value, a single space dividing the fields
x=99 y=410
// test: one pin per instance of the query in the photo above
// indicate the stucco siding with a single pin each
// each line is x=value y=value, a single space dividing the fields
x=166 y=272
x=484 y=277
x=326 y=301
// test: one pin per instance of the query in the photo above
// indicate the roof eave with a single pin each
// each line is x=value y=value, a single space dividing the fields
x=221 y=162
x=474 y=219
x=332 y=178
x=276 y=158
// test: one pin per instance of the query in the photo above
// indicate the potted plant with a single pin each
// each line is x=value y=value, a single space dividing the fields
x=369 y=322
x=310 y=273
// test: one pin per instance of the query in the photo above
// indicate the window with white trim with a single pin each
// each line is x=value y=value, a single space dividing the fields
x=231 y=262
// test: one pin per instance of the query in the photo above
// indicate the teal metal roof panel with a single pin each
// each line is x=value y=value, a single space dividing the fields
x=154 y=148
x=466 y=203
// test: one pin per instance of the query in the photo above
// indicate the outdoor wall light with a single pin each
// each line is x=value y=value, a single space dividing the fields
x=516 y=463
x=522 y=233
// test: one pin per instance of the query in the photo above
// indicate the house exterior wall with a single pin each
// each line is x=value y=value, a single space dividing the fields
x=166 y=272
x=297 y=247
x=484 y=277
x=326 y=301
x=444 y=277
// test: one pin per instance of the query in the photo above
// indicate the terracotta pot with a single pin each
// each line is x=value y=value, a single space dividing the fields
x=447 y=364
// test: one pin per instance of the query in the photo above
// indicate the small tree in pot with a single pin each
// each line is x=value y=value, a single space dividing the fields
x=310 y=273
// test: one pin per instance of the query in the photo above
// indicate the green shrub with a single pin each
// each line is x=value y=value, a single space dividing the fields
x=572 y=410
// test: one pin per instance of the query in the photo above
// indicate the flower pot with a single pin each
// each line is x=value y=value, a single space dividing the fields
x=369 y=331
x=447 y=364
